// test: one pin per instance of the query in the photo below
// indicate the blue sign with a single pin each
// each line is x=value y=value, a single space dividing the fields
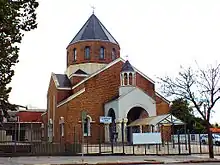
x=105 y=119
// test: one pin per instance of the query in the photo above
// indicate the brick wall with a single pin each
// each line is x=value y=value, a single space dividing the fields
x=63 y=94
x=145 y=85
x=76 y=79
x=94 y=52
x=52 y=91
x=99 y=89
x=162 y=106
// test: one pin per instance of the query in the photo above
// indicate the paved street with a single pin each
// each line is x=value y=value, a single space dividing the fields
x=44 y=160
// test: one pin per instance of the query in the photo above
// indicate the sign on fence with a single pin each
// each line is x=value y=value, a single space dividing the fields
x=105 y=119
x=147 y=138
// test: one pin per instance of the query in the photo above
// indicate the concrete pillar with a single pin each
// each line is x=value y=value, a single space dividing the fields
x=125 y=120
x=119 y=129
x=107 y=135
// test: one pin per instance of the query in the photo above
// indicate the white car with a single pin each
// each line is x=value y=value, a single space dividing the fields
x=215 y=138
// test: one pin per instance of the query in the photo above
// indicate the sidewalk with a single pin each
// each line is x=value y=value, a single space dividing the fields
x=44 y=160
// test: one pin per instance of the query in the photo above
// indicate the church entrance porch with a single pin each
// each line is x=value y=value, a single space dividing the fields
x=134 y=114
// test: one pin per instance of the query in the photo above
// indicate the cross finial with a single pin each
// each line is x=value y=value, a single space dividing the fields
x=93 y=9
x=126 y=57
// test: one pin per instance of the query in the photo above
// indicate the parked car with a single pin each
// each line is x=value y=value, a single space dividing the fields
x=215 y=138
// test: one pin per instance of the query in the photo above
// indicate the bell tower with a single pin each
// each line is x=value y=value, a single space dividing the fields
x=92 y=48
x=127 y=78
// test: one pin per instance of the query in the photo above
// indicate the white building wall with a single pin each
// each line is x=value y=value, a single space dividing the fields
x=136 y=98
x=114 y=106
x=125 y=89
x=86 y=67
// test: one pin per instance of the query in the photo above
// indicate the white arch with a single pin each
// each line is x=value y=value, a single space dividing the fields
x=137 y=105
x=89 y=117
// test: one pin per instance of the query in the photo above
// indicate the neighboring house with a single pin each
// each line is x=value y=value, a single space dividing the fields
x=97 y=80
x=23 y=125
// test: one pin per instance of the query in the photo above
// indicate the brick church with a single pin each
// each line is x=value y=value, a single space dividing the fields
x=98 y=81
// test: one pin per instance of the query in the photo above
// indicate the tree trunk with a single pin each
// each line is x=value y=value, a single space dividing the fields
x=210 y=141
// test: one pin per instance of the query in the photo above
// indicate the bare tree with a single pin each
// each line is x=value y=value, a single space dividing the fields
x=201 y=87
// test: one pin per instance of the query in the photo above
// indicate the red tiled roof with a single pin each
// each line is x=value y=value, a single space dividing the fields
x=215 y=130
x=30 y=116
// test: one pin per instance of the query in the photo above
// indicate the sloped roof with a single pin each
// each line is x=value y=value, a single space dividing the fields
x=63 y=80
x=155 y=120
x=93 y=29
x=127 y=67
x=108 y=66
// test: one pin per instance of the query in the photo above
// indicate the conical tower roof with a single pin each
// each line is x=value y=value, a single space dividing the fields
x=93 y=29
x=127 y=67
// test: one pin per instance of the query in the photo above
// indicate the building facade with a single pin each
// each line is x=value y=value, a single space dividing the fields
x=99 y=82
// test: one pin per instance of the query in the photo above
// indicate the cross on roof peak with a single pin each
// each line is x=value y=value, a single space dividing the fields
x=93 y=9
x=126 y=57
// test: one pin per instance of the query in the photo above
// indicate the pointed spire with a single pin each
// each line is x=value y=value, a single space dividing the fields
x=93 y=29
x=127 y=67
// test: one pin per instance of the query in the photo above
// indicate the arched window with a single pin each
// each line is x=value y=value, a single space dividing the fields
x=87 y=52
x=113 y=54
x=126 y=79
x=74 y=54
x=130 y=79
x=87 y=126
x=102 y=53
x=61 y=122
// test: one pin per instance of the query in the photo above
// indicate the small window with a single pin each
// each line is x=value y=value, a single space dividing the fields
x=87 y=124
x=74 y=54
x=87 y=52
x=113 y=54
x=102 y=53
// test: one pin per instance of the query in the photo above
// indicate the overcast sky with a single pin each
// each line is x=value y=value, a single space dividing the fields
x=157 y=35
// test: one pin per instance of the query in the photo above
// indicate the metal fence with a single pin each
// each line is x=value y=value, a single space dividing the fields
x=30 y=141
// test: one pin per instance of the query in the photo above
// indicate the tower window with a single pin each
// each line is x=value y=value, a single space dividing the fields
x=87 y=52
x=113 y=54
x=102 y=53
x=74 y=54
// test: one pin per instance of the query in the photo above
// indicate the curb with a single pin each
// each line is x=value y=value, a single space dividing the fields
x=126 y=163
x=142 y=162
x=195 y=161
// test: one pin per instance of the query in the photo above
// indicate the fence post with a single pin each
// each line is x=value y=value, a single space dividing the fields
x=185 y=136
x=168 y=149
x=200 y=144
x=133 y=148
x=15 y=136
x=145 y=149
x=173 y=140
x=189 y=142
x=100 y=148
x=87 y=143
x=112 y=139
x=157 y=149
x=74 y=141
x=179 y=142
